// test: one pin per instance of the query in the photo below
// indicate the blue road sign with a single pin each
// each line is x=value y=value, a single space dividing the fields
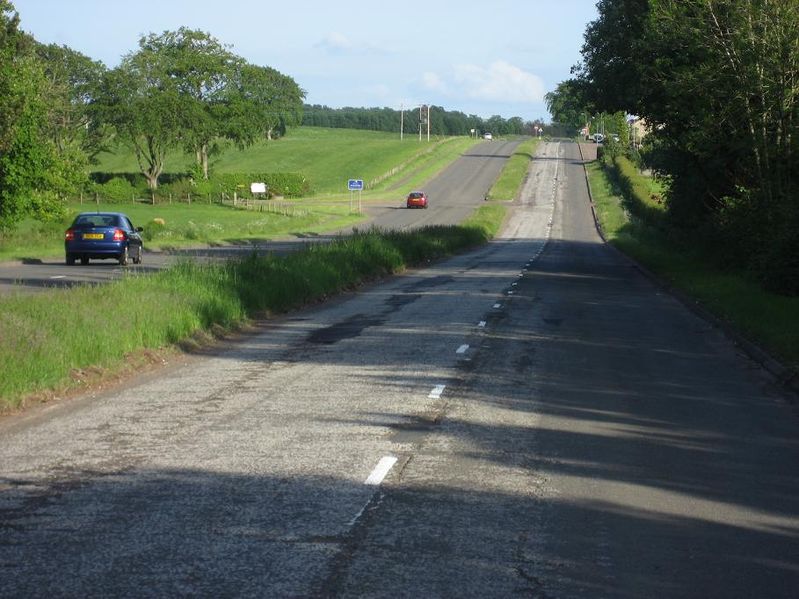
x=355 y=184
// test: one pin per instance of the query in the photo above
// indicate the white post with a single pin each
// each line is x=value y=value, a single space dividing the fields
x=428 y=122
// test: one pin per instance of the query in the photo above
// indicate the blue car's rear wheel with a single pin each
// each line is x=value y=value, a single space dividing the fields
x=123 y=257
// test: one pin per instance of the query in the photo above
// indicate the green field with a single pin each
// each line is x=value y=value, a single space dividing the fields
x=327 y=157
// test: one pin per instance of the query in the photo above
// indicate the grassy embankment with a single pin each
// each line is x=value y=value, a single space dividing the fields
x=632 y=219
x=75 y=346
x=509 y=183
x=327 y=157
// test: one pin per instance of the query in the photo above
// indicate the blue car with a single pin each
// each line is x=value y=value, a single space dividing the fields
x=102 y=235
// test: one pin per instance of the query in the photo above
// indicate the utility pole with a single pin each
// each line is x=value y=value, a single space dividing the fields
x=424 y=119
x=402 y=120
x=428 y=123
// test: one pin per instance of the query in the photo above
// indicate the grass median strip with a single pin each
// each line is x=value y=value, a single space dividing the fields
x=52 y=339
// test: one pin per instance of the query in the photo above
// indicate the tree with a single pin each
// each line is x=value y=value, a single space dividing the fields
x=199 y=69
x=140 y=101
x=73 y=81
x=260 y=102
x=717 y=82
x=568 y=105
x=30 y=172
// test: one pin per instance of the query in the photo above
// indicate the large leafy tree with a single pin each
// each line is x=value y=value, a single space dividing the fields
x=200 y=69
x=260 y=102
x=31 y=174
x=144 y=107
x=716 y=80
x=568 y=105
x=73 y=80
x=167 y=95
x=186 y=89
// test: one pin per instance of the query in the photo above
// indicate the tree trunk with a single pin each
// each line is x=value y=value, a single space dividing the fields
x=202 y=159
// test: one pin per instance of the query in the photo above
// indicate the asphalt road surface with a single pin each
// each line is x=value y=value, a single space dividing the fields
x=454 y=194
x=535 y=418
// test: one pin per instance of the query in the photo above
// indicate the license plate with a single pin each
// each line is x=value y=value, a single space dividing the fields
x=93 y=236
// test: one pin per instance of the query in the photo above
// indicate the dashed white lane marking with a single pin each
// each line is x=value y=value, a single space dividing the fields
x=381 y=470
x=59 y=277
x=437 y=391
x=497 y=305
x=462 y=349
x=481 y=324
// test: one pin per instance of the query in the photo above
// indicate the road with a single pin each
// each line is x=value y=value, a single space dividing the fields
x=534 y=418
x=454 y=194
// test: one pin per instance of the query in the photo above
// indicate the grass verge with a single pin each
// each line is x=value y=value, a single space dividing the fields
x=180 y=225
x=96 y=329
x=629 y=216
x=507 y=186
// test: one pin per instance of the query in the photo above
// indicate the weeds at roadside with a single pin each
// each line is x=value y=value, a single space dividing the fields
x=57 y=340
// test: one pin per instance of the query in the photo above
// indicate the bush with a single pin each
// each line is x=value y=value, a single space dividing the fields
x=290 y=185
x=115 y=191
x=154 y=229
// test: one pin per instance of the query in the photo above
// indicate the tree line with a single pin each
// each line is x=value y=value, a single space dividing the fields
x=717 y=83
x=442 y=121
x=180 y=89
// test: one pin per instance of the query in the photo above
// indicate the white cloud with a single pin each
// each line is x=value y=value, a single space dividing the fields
x=336 y=42
x=498 y=82
x=432 y=81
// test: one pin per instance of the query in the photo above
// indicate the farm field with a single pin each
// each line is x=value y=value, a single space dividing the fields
x=327 y=157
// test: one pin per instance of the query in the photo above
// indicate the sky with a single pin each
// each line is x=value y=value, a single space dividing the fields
x=488 y=57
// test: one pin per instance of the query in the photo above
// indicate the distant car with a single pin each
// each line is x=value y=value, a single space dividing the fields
x=103 y=235
x=487 y=136
x=416 y=199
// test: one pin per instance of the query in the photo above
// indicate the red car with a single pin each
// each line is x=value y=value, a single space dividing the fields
x=417 y=199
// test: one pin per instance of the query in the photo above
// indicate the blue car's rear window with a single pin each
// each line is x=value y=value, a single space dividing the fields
x=96 y=220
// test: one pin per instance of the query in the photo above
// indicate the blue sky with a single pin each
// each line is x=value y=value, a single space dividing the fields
x=480 y=57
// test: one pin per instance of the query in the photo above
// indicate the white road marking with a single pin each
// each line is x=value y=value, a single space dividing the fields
x=59 y=277
x=462 y=349
x=437 y=391
x=497 y=305
x=381 y=470
x=481 y=324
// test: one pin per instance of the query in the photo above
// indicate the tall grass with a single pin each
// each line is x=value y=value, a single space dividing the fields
x=632 y=223
x=50 y=338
